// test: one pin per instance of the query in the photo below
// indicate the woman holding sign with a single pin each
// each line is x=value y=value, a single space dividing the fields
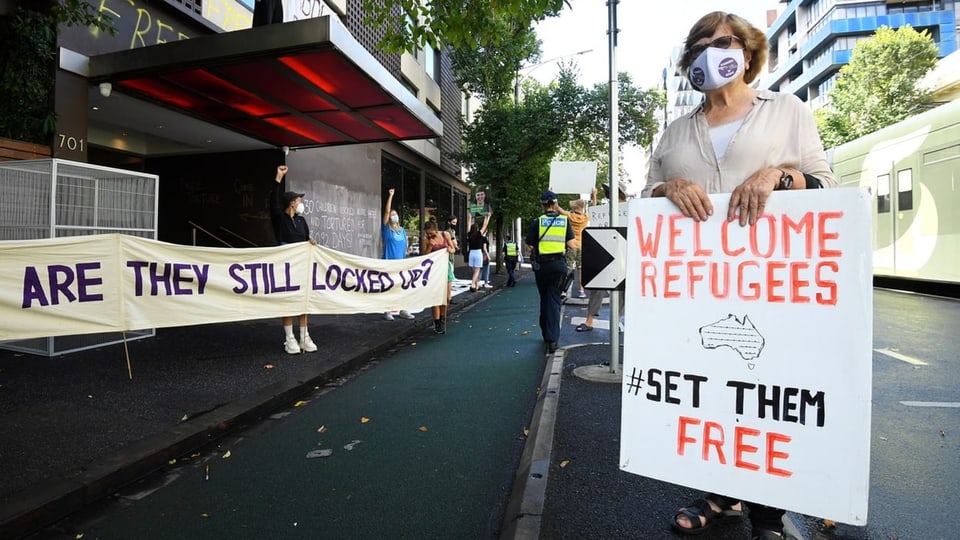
x=745 y=142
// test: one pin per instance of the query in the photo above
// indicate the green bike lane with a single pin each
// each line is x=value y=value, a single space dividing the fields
x=422 y=443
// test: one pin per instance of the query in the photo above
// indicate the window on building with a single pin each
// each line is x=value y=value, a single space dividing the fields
x=431 y=63
x=409 y=85
x=404 y=179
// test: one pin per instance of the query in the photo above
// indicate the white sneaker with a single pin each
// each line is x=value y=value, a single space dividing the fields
x=404 y=314
x=388 y=316
x=487 y=285
x=307 y=344
x=291 y=346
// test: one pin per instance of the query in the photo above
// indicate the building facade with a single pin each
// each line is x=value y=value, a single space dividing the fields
x=810 y=40
x=190 y=91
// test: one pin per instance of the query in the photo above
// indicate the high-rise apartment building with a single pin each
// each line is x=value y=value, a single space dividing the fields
x=810 y=40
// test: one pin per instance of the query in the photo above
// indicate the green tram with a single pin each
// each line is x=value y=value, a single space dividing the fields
x=912 y=169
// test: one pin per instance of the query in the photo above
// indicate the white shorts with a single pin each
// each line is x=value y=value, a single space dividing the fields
x=476 y=258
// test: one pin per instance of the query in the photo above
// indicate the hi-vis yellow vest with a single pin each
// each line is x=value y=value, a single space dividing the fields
x=553 y=235
x=511 y=249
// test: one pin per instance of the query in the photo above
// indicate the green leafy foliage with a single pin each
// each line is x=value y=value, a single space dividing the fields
x=637 y=122
x=879 y=85
x=456 y=23
x=509 y=146
x=26 y=76
x=28 y=65
x=489 y=71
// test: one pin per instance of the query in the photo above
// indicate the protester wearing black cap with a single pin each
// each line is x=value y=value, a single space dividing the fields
x=548 y=237
x=290 y=227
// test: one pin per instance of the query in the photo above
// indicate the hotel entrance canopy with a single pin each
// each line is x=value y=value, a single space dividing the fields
x=298 y=84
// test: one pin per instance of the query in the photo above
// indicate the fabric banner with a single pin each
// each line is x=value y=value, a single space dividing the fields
x=748 y=351
x=114 y=282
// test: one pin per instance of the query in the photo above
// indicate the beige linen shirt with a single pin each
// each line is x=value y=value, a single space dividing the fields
x=779 y=131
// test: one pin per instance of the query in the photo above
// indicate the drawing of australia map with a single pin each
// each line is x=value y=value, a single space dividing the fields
x=741 y=336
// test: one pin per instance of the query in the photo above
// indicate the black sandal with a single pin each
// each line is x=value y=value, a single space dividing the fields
x=701 y=508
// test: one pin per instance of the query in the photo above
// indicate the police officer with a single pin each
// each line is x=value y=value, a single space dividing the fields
x=548 y=238
x=511 y=254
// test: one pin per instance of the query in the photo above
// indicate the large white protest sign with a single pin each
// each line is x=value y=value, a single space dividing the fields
x=747 y=353
x=573 y=176
x=104 y=283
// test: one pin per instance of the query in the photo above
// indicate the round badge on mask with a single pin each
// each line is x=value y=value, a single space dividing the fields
x=716 y=67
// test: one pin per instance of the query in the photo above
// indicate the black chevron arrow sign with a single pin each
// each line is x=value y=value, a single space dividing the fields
x=604 y=258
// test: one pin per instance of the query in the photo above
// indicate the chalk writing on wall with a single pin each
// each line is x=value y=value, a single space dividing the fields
x=342 y=219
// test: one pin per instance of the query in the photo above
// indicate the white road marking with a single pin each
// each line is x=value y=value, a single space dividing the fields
x=948 y=404
x=902 y=357
x=602 y=324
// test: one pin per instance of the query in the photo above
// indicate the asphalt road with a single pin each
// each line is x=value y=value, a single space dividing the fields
x=915 y=446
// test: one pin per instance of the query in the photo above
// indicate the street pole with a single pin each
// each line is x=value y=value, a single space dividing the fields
x=614 y=176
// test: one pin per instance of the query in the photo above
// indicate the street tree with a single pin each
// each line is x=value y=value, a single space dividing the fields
x=637 y=121
x=508 y=146
x=489 y=71
x=409 y=24
x=28 y=32
x=878 y=87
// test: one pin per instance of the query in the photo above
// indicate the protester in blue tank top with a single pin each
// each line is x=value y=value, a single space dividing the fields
x=394 y=243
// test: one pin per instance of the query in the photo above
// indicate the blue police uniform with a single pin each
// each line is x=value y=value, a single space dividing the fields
x=548 y=235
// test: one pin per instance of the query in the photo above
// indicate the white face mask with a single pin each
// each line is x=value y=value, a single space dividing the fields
x=394 y=219
x=715 y=68
x=300 y=208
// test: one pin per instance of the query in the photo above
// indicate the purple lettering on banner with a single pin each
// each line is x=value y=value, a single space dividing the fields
x=289 y=286
x=427 y=264
x=202 y=273
x=83 y=282
x=58 y=287
x=411 y=283
x=179 y=278
x=32 y=288
x=333 y=269
x=234 y=272
x=253 y=267
x=361 y=280
x=160 y=279
x=314 y=285
x=137 y=276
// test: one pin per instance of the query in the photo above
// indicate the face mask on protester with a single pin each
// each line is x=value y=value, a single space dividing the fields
x=394 y=219
x=300 y=208
x=716 y=67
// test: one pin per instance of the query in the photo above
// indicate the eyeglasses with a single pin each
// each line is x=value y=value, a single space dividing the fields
x=722 y=42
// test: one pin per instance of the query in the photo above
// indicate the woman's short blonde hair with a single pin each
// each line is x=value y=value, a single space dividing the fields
x=754 y=41
x=577 y=205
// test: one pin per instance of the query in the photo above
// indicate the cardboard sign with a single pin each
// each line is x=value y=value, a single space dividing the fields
x=573 y=176
x=747 y=353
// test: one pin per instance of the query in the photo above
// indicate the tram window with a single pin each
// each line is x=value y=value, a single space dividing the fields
x=905 y=190
x=883 y=193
